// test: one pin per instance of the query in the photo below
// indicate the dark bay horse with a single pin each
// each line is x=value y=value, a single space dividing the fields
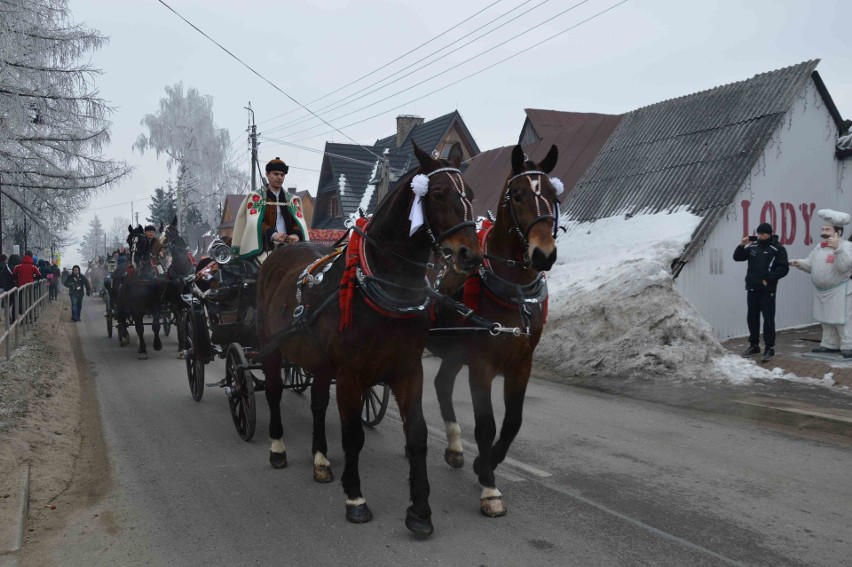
x=509 y=289
x=367 y=321
x=142 y=291
x=182 y=266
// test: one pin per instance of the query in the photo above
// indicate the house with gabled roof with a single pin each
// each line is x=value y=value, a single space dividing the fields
x=350 y=174
x=578 y=136
x=765 y=149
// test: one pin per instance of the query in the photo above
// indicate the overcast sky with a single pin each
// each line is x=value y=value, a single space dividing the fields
x=638 y=53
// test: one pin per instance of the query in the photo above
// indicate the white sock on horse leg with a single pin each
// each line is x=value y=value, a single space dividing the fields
x=277 y=446
x=453 y=436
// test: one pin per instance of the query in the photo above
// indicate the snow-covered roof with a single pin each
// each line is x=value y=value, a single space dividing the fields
x=693 y=151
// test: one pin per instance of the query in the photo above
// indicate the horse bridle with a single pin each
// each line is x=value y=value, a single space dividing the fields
x=458 y=185
x=552 y=214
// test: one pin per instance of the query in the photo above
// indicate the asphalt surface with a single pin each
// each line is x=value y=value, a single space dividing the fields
x=593 y=479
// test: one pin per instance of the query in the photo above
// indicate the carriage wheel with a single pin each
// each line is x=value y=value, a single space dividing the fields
x=194 y=366
x=375 y=404
x=296 y=378
x=240 y=391
x=109 y=321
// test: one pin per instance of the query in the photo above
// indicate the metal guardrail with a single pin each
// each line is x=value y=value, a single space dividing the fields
x=21 y=308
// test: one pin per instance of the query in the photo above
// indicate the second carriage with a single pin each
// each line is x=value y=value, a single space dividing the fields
x=220 y=323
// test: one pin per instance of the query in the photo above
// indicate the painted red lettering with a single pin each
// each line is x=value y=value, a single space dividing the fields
x=746 y=204
x=807 y=214
x=768 y=207
x=788 y=223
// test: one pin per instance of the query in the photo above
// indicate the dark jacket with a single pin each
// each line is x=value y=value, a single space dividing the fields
x=270 y=218
x=7 y=279
x=76 y=284
x=767 y=261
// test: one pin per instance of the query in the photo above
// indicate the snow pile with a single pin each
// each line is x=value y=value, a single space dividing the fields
x=614 y=310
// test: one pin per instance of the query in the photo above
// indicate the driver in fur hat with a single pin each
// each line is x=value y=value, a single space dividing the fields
x=830 y=267
x=278 y=226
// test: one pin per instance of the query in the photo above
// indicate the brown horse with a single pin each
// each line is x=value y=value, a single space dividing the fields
x=511 y=290
x=373 y=332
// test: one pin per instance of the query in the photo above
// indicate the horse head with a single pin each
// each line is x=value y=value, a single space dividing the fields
x=447 y=212
x=138 y=245
x=169 y=236
x=529 y=206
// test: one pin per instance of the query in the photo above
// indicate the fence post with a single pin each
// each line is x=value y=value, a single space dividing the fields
x=7 y=324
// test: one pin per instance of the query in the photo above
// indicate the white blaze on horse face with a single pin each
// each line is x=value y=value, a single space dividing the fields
x=320 y=460
x=490 y=493
x=534 y=183
x=453 y=436
x=277 y=446
x=356 y=502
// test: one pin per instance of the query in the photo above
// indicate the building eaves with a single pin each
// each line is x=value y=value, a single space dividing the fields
x=694 y=151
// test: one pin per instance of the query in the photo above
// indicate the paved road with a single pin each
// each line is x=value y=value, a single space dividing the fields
x=593 y=480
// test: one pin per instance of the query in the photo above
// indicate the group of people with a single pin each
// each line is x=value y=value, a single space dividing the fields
x=830 y=267
x=18 y=271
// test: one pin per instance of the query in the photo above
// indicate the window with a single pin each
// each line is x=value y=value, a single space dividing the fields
x=335 y=207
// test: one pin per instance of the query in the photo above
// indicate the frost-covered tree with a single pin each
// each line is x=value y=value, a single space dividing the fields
x=183 y=130
x=53 y=124
x=117 y=233
x=94 y=241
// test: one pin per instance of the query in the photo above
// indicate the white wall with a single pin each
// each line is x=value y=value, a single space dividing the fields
x=797 y=170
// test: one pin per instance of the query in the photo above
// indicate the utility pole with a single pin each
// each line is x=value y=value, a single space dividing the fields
x=137 y=217
x=181 y=199
x=252 y=130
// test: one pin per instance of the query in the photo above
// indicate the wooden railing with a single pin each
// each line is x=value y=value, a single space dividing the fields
x=21 y=308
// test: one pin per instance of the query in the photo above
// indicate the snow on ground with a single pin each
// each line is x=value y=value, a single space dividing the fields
x=614 y=310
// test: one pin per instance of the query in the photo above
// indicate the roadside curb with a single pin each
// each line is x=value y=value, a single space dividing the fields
x=801 y=415
x=12 y=535
x=791 y=405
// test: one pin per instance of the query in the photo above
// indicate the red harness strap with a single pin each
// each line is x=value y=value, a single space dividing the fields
x=473 y=283
x=347 y=282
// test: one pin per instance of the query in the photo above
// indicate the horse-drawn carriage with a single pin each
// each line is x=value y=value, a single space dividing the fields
x=220 y=323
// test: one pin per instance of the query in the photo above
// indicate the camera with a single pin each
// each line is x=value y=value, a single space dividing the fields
x=752 y=238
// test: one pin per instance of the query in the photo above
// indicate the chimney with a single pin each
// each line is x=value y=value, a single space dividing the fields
x=404 y=124
x=291 y=190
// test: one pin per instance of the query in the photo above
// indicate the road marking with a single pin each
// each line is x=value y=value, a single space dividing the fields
x=440 y=437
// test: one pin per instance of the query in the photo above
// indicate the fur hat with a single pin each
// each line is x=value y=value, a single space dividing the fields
x=834 y=218
x=764 y=228
x=150 y=227
x=277 y=165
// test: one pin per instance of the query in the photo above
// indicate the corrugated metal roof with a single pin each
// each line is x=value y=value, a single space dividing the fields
x=578 y=137
x=693 y=151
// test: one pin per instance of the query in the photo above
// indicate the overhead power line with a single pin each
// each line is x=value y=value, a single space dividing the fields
x=465 y=78
x=250 y=68
x=376 y=85
x=449 y=69
x=377 y=69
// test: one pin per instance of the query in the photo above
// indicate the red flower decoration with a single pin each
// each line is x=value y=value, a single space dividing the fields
x=253 y=212
x=250 y=206
x=299 y=214
x=255 y=197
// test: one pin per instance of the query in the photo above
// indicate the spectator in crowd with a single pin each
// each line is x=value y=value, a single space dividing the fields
x=26 y=272
x=54 y=284
x=77 y=284
x=7 y=283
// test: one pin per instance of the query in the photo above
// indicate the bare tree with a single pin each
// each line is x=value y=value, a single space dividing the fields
x=53 y=124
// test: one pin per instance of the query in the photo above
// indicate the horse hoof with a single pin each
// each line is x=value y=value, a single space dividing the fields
x=492 y=506
x=323 y=474
x=278 y=460
x=158 y=346
x=143 y=356
x=420 y=527
x=359 y=514
x=454 y=458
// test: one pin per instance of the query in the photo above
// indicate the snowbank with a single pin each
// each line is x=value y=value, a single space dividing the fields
x=614 y=310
